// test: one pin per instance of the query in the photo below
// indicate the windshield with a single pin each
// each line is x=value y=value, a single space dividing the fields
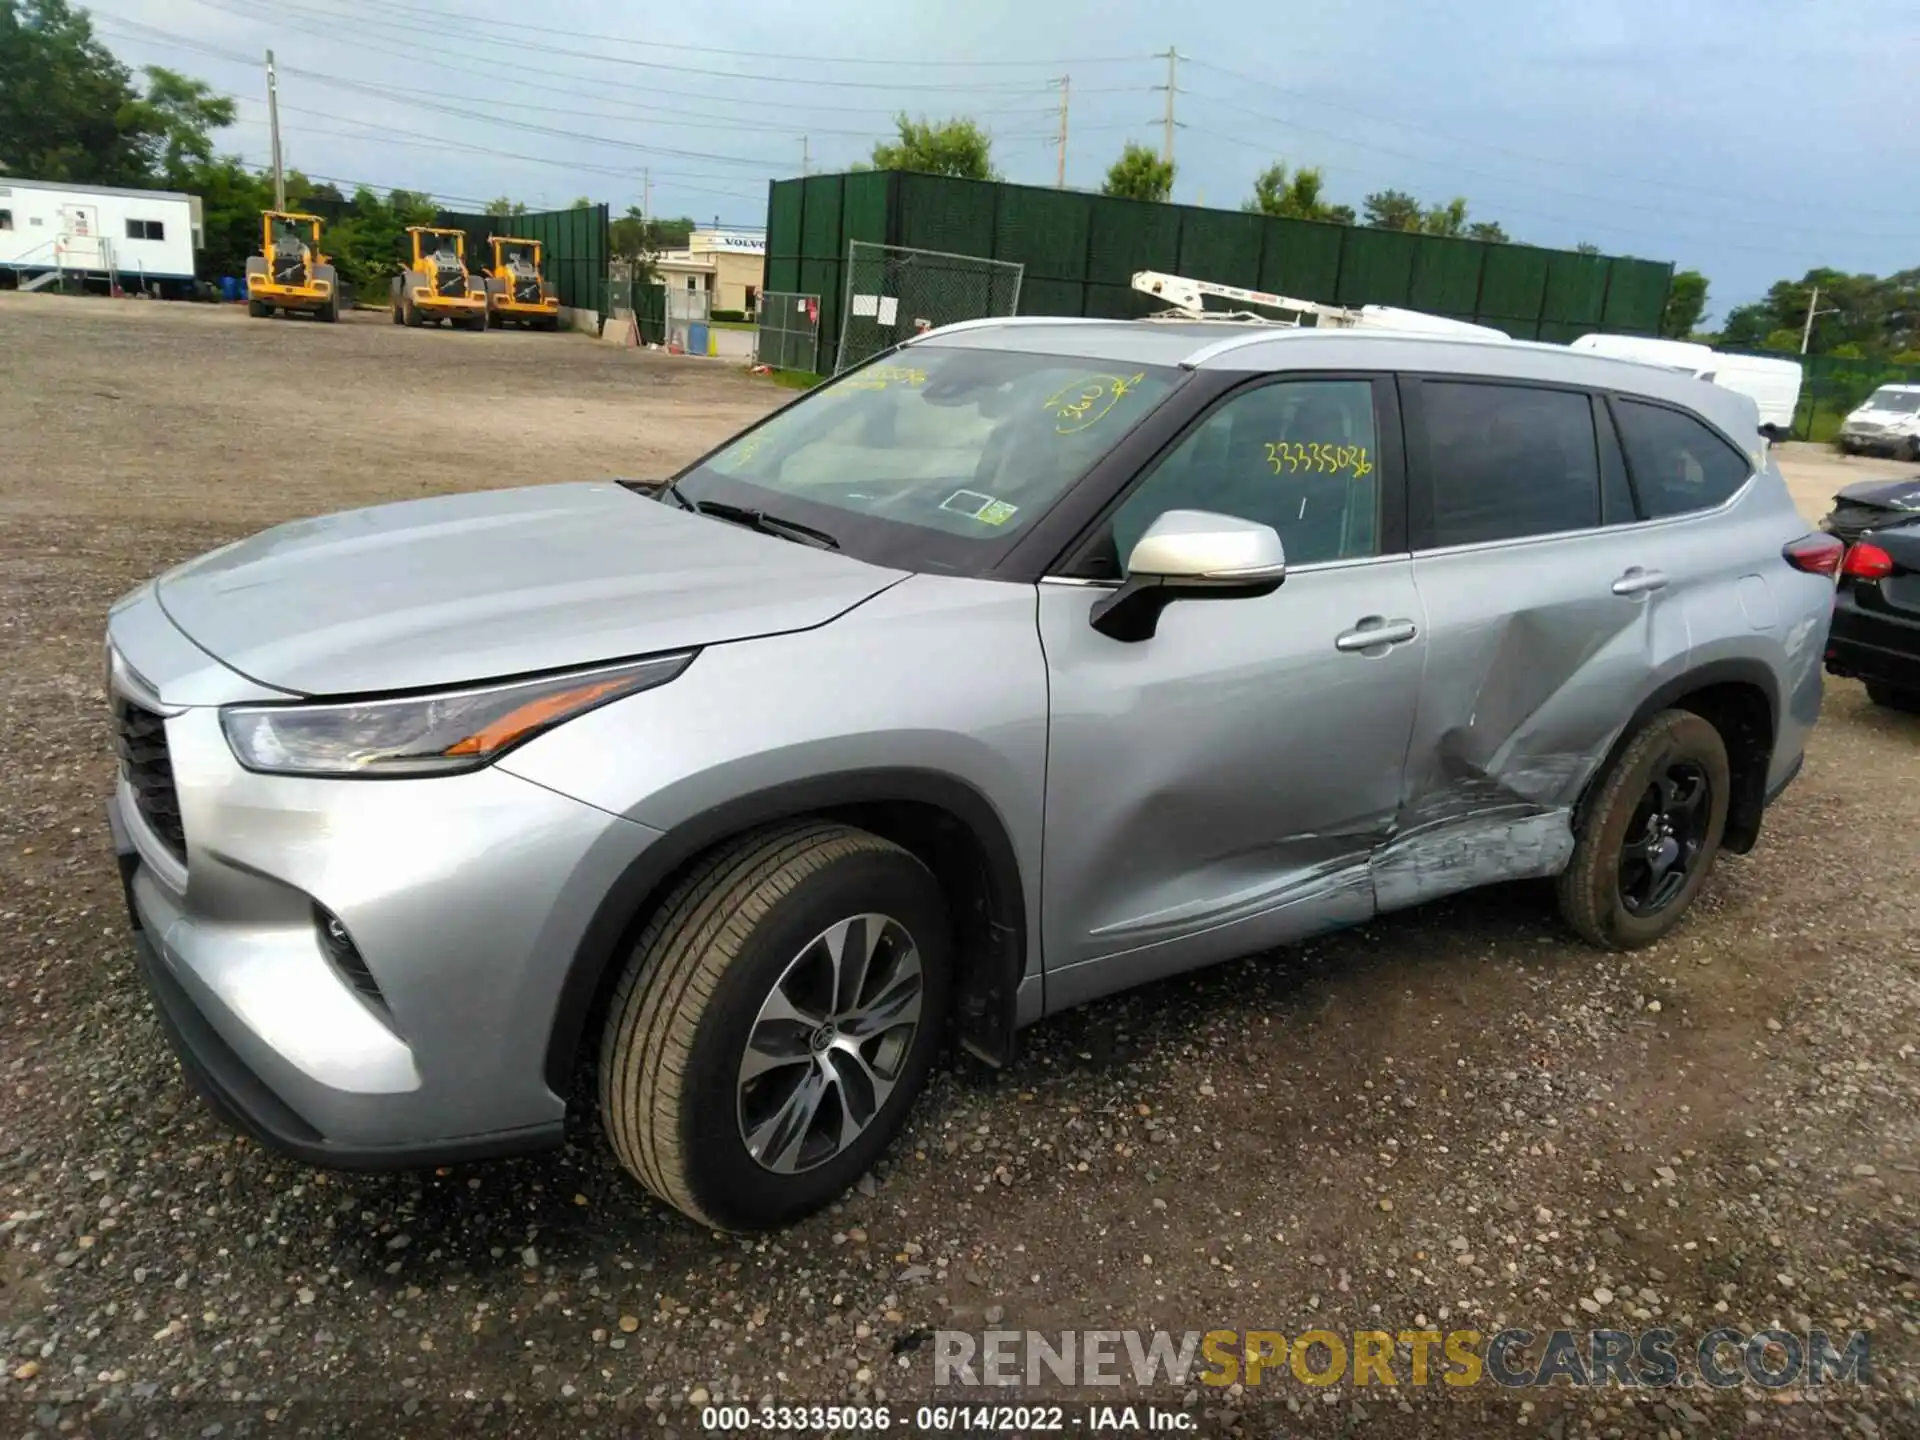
x=932 y=457
x=1903 y=402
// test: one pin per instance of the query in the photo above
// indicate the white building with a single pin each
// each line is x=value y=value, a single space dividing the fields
x=95 y=234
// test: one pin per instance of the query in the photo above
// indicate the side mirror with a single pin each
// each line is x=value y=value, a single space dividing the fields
x=1190 y=555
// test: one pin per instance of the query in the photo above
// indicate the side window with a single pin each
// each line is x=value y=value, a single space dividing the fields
x=1299 y=455
x=1507 y=461
x=1678 y=464
x=146 y=230
x=6 y=219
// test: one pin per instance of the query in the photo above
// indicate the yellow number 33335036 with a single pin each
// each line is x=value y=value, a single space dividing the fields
x=1289 y=458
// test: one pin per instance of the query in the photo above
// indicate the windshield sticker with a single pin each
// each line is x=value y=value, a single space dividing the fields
x=1291 y=458
x=1088 y=400
x=879 y=377
x=975 y=506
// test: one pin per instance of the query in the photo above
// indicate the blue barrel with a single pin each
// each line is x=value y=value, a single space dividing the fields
x=697 y=343
x=229 y=287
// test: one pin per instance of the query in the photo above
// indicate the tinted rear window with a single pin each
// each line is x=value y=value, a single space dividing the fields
x=1679 y=464
x=1507 y=461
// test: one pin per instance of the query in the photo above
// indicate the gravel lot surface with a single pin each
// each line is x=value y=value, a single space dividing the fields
x=1454 y=1118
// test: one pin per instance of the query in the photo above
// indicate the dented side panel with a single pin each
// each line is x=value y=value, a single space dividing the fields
x=1534 y=665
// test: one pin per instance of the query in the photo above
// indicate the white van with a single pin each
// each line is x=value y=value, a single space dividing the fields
x=1886 y=423
x=1773 y=384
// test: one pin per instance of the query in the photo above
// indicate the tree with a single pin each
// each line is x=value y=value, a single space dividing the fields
x=1392 y=210
x=503 y=206
x=582 y=203
x=1489 y=230
x=1587 y=247
x=946 y=147
x=175 y=120
x=1447 y=219
x=68 y=108
x=637 y=237
x=1686 y=303
x=1295 y=197
x=1139 y=174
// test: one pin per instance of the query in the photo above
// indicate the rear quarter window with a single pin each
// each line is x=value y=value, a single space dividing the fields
x=1679 y=464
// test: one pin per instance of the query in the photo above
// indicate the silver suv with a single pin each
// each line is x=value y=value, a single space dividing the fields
x=1033 y=660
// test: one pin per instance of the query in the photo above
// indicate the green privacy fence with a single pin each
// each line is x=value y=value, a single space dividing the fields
x=1080 y=252
x=573 y=249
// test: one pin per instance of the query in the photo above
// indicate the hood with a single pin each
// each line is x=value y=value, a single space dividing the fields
x=472 y=587
x=1882 y=417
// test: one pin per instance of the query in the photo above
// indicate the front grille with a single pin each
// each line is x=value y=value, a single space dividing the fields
x=290 y=272
x=451 y=281
x=140 y=739
x=527 y=292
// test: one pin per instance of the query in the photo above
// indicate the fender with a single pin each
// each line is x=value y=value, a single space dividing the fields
x=1750 y=798
x=992 y=943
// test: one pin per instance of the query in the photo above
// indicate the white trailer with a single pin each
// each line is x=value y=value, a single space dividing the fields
x=1772 y=383
x=97 y=236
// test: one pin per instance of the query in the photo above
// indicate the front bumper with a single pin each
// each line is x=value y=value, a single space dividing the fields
x=431 y=302
x=466 y=897
x=1872 y=643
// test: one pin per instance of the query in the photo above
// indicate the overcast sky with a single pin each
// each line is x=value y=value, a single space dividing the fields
x=1750 y=139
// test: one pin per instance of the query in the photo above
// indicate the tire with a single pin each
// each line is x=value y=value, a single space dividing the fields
x=330 y=312
x=1893 y=697
x=1616 y=901
x=396 y=312
x=259 y=309
x=413 y=316
x=750 y=924
x=1911 y=451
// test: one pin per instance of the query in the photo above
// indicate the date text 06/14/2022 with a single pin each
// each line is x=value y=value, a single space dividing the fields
x=944 y=1419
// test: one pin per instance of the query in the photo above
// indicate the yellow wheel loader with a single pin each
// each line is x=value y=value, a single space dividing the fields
x=517 y=293
x=290 y=274
x=436 y=285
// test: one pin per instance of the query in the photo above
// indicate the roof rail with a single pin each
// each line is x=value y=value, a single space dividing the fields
x=987 y=322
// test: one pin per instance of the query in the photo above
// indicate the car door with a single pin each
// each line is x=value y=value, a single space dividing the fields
x=1220 y=787
x=1544 y=620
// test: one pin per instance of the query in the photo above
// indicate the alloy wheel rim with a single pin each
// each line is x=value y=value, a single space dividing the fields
x=1665 y=838
x=830 y=1043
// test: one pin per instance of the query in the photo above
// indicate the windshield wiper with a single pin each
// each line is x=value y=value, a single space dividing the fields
x=763 y=522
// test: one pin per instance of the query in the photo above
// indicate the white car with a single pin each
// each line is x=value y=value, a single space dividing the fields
x=1888 y=423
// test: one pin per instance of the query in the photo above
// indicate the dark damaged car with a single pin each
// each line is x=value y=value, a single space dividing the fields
x=1876 y=615
x=1033 y=660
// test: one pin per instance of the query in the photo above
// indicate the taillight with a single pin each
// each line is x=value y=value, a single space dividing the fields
x=1866 y=562
x=1817 y=554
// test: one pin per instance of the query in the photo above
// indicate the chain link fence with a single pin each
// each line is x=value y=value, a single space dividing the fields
x=687 y=309
x=895 y=292
x=789 y=333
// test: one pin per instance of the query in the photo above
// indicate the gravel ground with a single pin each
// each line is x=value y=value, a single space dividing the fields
x=1456 y=1117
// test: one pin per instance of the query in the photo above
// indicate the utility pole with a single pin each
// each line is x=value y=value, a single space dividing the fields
x=273 y=123
x=1060 y=175
x=646 y=193
x=1813 y=310
x=1172 y=87
x=806 y=155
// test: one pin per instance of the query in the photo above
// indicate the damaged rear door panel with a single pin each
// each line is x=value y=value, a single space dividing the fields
x=1549 y=614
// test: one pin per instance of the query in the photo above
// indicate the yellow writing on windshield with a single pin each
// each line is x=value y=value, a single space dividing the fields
x=879 y=377
x=1089 y=400
x=1293 y=457
x=746 y=449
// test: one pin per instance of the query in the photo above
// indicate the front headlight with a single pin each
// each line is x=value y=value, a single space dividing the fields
x=439 y=734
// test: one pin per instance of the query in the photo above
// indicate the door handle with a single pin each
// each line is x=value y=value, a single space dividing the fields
x=1373 y=633
x=1639 y=582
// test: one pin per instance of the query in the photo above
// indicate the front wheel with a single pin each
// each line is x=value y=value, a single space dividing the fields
x=259 y=309
x=1649 y=834
x=778 y=1015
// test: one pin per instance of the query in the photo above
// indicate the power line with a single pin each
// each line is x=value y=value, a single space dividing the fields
x=387 y=6
x=1452 y=167
x=503 y=72
x=1744 y=201
x=523 y=46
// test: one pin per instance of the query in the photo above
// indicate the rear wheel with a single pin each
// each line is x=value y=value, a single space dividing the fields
x=1894 y=697
x=1650 y=834
x=777 y=1017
